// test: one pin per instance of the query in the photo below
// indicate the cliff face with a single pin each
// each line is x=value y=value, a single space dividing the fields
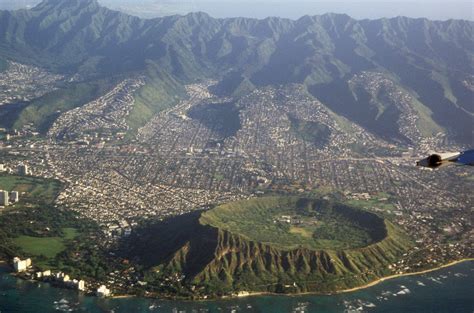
x=218 y=259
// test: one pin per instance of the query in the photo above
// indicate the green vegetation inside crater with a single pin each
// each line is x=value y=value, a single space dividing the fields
x=290 y=223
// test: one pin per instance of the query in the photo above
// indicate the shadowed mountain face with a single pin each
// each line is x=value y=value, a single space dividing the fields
x=432 y=61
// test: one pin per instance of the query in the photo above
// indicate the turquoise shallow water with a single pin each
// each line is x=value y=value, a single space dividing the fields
x=449 y=290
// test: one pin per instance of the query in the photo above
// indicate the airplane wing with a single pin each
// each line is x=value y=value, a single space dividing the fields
x=438 y=160
x=466 y=158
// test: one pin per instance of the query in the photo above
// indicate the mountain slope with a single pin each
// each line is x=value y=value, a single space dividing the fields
x=431 y=60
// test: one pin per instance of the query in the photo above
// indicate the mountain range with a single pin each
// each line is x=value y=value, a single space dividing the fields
x=359 y=69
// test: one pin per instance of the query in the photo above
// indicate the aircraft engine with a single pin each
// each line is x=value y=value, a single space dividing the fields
x=438 y=160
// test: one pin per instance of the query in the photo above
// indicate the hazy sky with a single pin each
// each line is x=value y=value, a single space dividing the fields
x=432 y=9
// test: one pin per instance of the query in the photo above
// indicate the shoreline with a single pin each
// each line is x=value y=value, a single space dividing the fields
x=371 y=284
x=380 y=280
x=315 y=293
x=246 y=294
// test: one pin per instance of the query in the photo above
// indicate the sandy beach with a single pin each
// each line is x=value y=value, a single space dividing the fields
x=378 y=281
x=371 y=284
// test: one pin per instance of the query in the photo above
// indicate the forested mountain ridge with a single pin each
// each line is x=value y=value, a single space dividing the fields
x=432 y=61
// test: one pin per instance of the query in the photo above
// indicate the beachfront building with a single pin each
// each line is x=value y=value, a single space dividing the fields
x=79 y=285
x=103 y=291
x=21 y=265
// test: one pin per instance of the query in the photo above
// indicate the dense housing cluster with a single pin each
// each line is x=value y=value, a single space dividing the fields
x=22 y=82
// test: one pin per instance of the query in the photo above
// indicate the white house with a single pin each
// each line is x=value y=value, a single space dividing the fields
x=103 y=291
x=21 y=265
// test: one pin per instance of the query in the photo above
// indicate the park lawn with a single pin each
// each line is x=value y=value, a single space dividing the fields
x=45 y=246
x=36 y=246
x=35 y=188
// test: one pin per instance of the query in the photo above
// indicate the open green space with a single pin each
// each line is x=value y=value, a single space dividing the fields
x=32 y=189
x=292 y=222
x=33 y=227
x=49 y=247
x=161 y=91
x=52 y=237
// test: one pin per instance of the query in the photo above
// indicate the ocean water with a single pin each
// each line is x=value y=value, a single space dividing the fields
x=450 y=290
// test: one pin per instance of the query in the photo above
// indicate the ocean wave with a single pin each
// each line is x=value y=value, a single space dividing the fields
x=404 y=291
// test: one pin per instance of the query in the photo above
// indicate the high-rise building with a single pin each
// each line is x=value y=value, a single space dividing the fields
x=81 y=285
x=4 y=199
x=21 y=265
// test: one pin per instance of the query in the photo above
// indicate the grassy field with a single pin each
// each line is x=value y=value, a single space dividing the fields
x=46 y=246
x=302 y=231
x=52 y=237
x=33 y=188
x=314 y=224
x=25 y=223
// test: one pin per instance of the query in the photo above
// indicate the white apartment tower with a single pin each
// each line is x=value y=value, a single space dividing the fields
x=4 y=199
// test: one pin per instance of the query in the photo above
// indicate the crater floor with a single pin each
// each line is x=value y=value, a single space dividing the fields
x=292 y=222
